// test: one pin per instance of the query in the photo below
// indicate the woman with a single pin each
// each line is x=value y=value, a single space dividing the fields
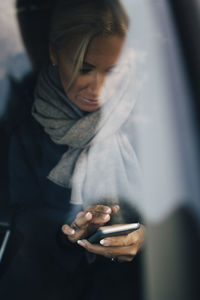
x=61 y=156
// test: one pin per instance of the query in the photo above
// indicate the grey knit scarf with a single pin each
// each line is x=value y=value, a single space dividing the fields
x=100 y=165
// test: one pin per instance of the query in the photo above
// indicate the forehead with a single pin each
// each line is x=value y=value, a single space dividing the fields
x=104 y=51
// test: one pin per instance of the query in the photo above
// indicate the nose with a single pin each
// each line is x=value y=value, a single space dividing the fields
x=96 y=83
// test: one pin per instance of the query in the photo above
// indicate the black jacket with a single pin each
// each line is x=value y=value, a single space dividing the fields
x=44 y=265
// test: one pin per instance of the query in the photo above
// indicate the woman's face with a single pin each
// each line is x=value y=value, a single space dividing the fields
x=101 y=57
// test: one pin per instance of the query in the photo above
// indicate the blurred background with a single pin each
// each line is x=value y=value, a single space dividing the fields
x=165 y=37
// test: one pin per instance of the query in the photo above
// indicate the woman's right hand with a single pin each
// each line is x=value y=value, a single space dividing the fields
x=88 y=221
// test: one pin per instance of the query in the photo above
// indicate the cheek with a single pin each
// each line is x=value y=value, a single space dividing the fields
x=79 y=85
x=65 y=77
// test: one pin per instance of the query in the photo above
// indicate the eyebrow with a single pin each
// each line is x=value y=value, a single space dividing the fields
x=85 y=63
x=88 y=65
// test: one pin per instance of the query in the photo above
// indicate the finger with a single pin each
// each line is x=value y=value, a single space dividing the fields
x=107 y=251
x=100 y=219
x=78 y=234
x=66 y=229
x=133 y=238
x=140 y=236
x=127 y=258
x=70 y=233
x=118 y=241
x=99 y=209
x=115 y=209
x=80 y=225
x=81 y=220
x=100 y=214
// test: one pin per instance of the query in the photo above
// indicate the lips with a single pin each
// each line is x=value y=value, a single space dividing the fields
x=90 y=101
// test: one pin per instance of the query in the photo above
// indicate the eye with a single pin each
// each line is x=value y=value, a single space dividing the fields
x=85 y=71
x=112 y=70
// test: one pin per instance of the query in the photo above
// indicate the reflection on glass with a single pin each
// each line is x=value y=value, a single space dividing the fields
x=73 y=166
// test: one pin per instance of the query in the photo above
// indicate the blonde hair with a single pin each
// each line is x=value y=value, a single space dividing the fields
x=86 y=19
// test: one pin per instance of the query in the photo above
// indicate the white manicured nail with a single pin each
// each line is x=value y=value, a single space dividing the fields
x=71 y=231
x=105 y=217
x=88 y=214
x=102 y=242
x=68 y=230
x=81 y=243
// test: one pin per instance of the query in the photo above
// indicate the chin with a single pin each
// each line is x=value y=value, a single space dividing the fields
x=89 y=109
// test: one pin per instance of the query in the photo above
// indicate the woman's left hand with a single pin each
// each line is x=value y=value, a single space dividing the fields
x=121 y=248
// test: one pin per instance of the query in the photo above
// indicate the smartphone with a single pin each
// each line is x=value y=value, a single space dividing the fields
x=106 y=231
